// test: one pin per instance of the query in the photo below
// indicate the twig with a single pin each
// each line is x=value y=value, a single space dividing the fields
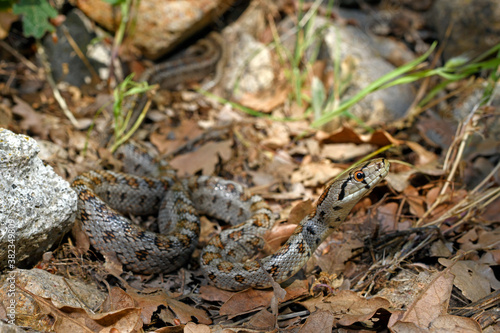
x=19 y=56
x=79 y=53
x=52 y=83
x=202 y=138
x=463 y=133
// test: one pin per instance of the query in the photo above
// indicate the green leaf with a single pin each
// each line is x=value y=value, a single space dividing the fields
x=318 y=96
x=36 y=14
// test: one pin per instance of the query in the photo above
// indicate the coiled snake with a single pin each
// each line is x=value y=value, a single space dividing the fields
x=101 y=194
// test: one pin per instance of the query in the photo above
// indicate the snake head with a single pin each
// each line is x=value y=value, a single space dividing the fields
x=347 y=189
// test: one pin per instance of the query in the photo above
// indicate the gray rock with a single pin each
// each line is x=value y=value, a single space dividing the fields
x=66 y=65
x=390 y=49
x=37 y=207
x=250 y=67
x=361 y=63
x=476 y=25
x=366 y=66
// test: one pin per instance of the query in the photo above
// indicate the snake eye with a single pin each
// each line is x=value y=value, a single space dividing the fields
x=359 y=176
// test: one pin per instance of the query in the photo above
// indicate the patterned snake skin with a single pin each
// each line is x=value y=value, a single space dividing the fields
x=102 y=194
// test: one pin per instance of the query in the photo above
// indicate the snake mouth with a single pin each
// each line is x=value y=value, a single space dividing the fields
x=377 y=170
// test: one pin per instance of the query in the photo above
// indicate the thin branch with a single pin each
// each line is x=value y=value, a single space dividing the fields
x=52 y=83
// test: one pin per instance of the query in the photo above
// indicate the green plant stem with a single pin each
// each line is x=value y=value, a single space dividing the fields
x=123 y=138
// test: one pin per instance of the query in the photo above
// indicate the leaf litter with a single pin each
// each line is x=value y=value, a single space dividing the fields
x=421 y=253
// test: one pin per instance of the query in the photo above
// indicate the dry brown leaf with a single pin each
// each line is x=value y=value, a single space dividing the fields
x=149 y=303
x=399 y=181
x=432 y=302
x=299 y=211
x=248 y=300
x=441 y=249
x=315 y=174
x=485 y=147
x=404 y=287
x=346 y=151
x=211 y=293
x=387 y=217
x=492 y=212
x=416 y=202
x=452 y=198
x=488 y=238
x=112 y=264
x=479 y=239
x=424 y=156
x=262 y=320
x=279 y=295
x=167 y=138
x=496 y=256
x=449 y=323
x=429 y=311
x=319 y=321
x=124 y=320
x=82 y=242
x=265 y=102
x=204 y=159
x=278 y=135
x=297 y=289
x=172 y=329
x=348 y=135
x=117 y=299
x=208 y=230
x=347 y=306
x=490 y=257
x=281 y=166
x=474 y=279
x=32 y=121
x=444 y=323
x=468 y=239
x=278 y=235
x=196 y=328
x=76 y=320
x=186 y=313
x=5 y=116
x=334 y=252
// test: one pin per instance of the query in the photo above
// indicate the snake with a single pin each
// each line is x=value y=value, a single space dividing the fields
x=227 y=261
x=208 y=55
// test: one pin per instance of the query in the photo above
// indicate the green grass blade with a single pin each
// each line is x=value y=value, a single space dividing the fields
x=375 y=85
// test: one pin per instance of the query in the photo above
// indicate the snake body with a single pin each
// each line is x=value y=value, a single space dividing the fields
x=195 y=64
x=104 y=195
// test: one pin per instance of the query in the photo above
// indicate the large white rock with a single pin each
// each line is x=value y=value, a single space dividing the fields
x=37 y=207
